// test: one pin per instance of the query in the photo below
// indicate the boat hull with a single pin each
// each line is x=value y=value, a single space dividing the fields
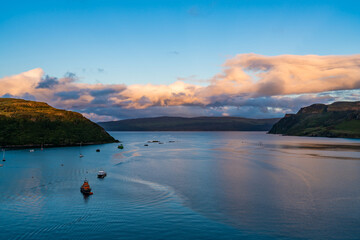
x=86 y=191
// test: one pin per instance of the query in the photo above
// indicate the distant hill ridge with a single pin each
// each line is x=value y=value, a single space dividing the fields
x=334 y=107
x=30 y=123
x=339 y=119
x=190 y=124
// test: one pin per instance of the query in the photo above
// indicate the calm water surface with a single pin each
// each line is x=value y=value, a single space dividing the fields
x=204 y=185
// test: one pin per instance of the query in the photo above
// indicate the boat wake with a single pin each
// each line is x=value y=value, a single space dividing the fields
x=163 y=194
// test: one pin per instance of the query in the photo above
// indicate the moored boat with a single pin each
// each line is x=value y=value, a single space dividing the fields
x=120 y=146
x=80 y=155
x=85 y=188
x=101 y=174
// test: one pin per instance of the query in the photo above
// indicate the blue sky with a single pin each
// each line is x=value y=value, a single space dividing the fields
x=160 y=41
x=116 y=54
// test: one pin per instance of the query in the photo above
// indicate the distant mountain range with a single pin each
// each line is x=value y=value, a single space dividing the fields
x=339 y=119
x=190 y=124
x=28 y=123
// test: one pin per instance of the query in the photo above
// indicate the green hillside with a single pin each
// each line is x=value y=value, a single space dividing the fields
x=190 y=124
x=340 y=119
x=29 y=123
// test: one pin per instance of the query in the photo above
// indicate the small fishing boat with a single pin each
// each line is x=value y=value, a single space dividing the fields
x=85 y=188
x=101 y=174
x=120 y=146
x=31 y=150
x=146 y=145
x=97 y=150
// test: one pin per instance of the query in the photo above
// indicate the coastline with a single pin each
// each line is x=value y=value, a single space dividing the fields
x=26 y=146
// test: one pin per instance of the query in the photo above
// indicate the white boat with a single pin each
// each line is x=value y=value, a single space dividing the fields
x=80 y=152
x=31 y=150
x=101 y=174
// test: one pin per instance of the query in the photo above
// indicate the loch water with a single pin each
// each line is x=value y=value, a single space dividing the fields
x=196 y=185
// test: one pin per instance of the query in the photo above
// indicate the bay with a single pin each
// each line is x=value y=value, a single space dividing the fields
x=194 y=185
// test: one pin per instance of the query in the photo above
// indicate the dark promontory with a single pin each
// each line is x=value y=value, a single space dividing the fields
x=190 y=124
x=339 y=119
x=28 y=123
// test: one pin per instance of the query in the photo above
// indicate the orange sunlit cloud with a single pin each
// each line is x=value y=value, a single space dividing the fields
x=246 y=76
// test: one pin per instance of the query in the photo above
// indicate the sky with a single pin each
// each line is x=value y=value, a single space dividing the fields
x=127 y=59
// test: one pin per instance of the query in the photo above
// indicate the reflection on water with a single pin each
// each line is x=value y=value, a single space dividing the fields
x=314 y=145
x=199 y=185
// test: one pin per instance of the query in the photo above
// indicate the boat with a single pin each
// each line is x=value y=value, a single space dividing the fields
x=97 y=150
x=146 y=145
x=120 y=146
x=101 y=174
x=3 y=155
x=80 y=156
x=85 y=188
x=31 y=150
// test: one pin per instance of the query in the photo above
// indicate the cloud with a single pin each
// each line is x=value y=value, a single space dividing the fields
x=250 y=85
x=292 y=74
x=68 y=95
x=47 y=82
x=99 y=118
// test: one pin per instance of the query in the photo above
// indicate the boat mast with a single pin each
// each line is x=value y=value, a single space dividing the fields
x=80 y=151
x=3 y=154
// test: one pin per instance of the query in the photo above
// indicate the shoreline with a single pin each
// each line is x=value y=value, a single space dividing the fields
x=26 y=146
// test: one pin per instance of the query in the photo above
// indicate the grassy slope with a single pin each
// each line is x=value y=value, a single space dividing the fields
x=35 y=123
x=190 y=124
x=331 y=121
